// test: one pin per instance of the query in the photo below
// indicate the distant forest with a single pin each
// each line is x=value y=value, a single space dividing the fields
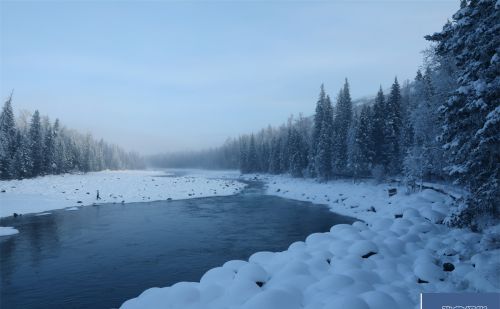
x=441 y=126
x=34 y=147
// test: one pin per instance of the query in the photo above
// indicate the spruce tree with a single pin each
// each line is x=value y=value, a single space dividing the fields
x=49 y=165
x=7 y=141
x=252 y=155
x=407 y=131
x=297 y=150
x=380 y=153
x=323 y=158
x=342 y=122
x=22 y=158
x=318 y=122
x=354 y=155
x=284 y=152
x=393 y=128
x=36 y=145
x=472 y=112
x=364 y=141
x=274 y=161
x=60 y=150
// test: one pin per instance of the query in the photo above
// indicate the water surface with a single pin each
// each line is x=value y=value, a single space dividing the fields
x=100 y=256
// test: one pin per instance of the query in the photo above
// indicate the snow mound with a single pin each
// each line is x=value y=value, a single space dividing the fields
x=7 y=230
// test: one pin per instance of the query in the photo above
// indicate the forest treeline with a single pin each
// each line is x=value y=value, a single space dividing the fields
x=34 y=147
x=443 y=125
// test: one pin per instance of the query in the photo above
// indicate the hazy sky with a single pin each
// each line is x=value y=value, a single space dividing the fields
x=165 y=76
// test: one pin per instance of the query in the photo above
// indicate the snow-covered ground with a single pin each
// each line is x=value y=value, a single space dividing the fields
x=41 y=194
x=386 y=261
x=7 y=230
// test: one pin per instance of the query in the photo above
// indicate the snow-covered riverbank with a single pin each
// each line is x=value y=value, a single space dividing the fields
x=399 y=251
x=47 y=193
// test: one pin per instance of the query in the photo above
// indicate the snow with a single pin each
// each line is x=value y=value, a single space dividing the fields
x=7 y=230
x=69 y=190
x=384 y=261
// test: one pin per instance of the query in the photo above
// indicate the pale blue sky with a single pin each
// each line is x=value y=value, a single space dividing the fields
x=164 y=76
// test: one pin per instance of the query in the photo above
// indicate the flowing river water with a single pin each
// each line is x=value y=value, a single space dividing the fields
x=100 y=256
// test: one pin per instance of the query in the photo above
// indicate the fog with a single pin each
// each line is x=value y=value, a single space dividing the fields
x=169 y=76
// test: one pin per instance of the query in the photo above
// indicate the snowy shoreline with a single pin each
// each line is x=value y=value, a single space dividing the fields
x=398 y=252
x=69 y=191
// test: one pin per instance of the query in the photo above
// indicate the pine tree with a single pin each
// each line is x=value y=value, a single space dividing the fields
x=426 y=123
x=298 y=152
x=380 y=151
x=393 y=128
x=407 y=131
x=252 y=155
x=364 y=141
x=36 y=145
x=22 y=158
x=354 y=155
x=472 y=112
x=318 y=122
x=274 y=162
x=323 y=158
x=342 y=123
x=7 y=141
x=264 y=155
x=60 y=150
x=284 y=158
x=49 y=164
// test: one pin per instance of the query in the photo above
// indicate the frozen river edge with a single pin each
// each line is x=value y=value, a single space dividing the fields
x=40 y=195
x=399 y=250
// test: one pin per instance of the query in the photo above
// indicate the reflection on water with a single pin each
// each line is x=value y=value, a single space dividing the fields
x=100 y=256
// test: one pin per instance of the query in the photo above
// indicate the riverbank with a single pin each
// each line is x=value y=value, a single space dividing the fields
x=400 y=250
x=42 y=194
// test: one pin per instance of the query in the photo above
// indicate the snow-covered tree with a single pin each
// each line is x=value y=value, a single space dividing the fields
x=354 y=155
x=472 y=113
x=7 y=141
x=36 y=144
x=298 y=153
x=324 y=149
x=342 y=122
x=378 y=129
x=35 y=147
x=316 y=132
x=407 y=106
x=253 y=164
x=49 y=151
x=393 y=126
x=364 y=142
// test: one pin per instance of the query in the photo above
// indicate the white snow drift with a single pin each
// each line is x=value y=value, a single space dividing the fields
x=7 y=230
x=384 y=262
